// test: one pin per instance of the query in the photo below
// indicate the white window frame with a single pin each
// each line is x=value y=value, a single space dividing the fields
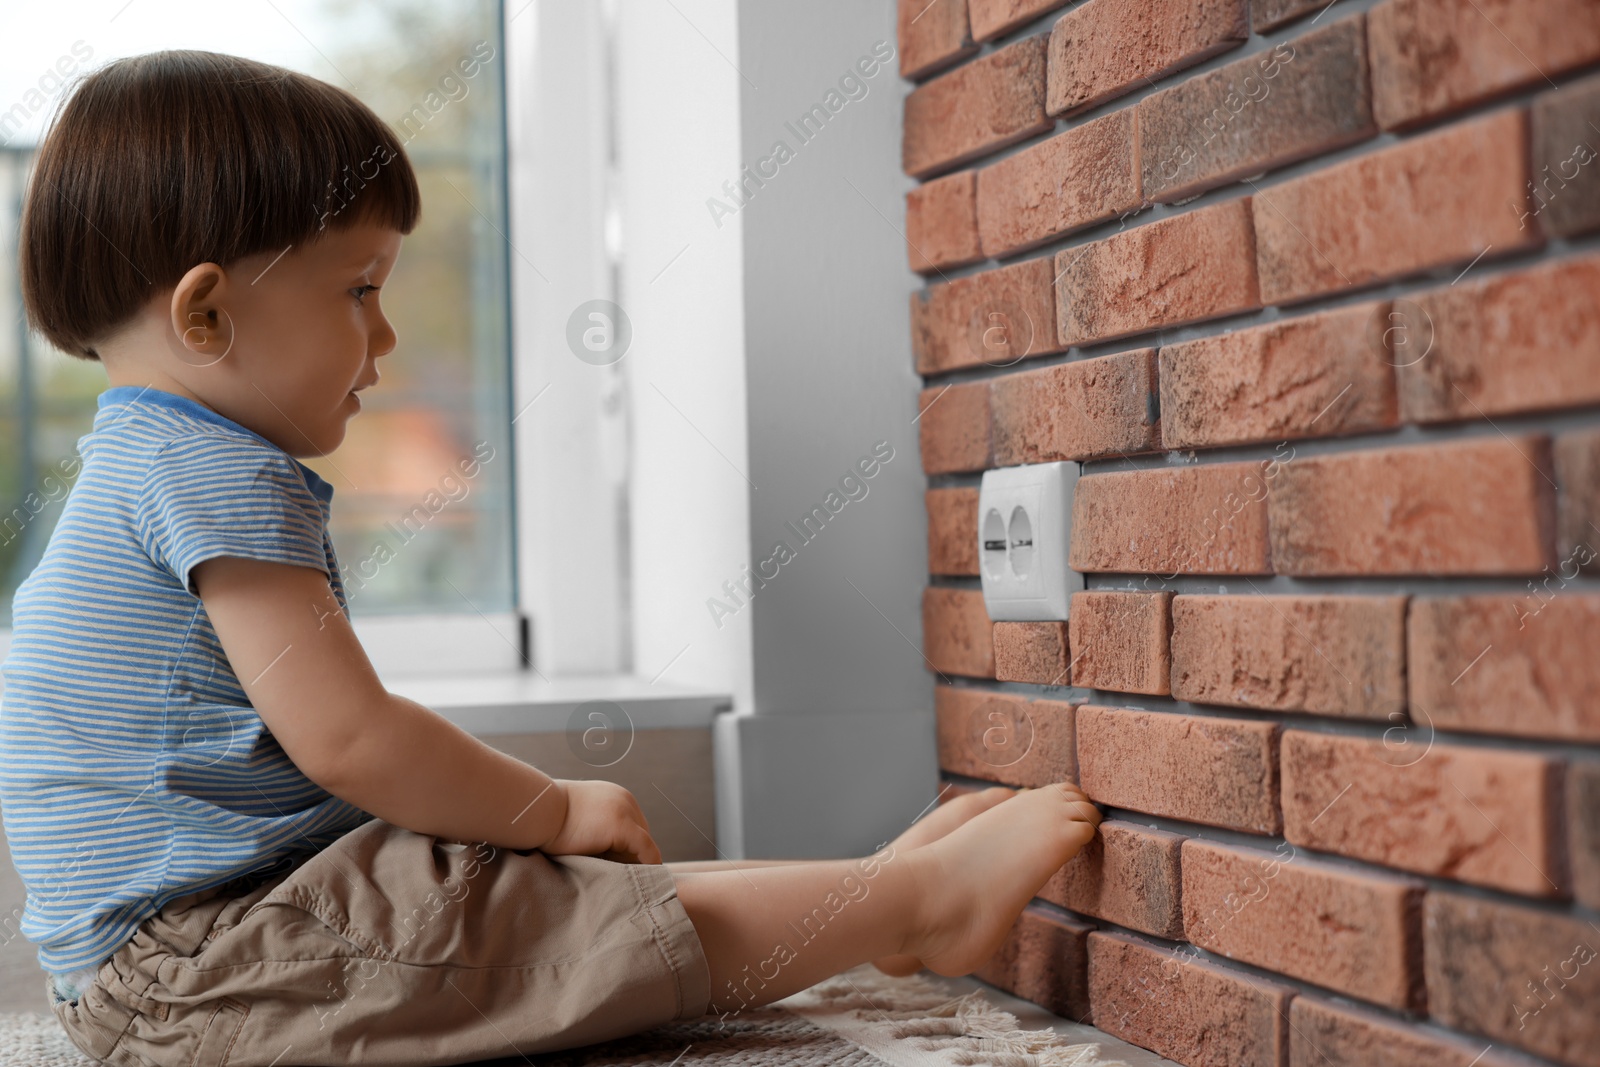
x=570 y=429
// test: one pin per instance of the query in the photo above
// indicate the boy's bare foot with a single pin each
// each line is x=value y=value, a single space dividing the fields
x=982 y=874
x=952 y=813
x=932 y=826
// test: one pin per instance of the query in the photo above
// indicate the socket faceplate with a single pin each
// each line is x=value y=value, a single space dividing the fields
x=1024 y=522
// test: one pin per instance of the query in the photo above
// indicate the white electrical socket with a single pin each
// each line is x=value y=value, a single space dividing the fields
x=1024 y=523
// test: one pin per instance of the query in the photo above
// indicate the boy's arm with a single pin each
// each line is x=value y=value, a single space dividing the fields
x=304 y=670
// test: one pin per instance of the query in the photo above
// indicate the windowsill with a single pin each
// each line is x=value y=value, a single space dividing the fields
x=492 y=702
x=488 y=703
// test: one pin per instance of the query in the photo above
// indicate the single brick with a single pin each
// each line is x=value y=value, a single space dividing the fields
x=1270 y=14
x=1185 y=1008
x=942 y=223
x=954 y=428
x=1583 y=826
x=1430 y=57
x=1199 y=265
x=1086 y=175
x=961 y=717
x=1441 y=198
x=1334 y=1035
x=1303 y=98
x=1044 y=959
x=1483 y=505
x=993 y=101
x=956 y=632
x=1085 y=409
x=952 y=530
x=992 y=18
x=1311 y=376
x=933 y=35
x=1470 y=814
x=996 y=318
x=1210 y=519
x=1223 y=772
x=1577 y=460
x=1001 y=737
x=1328 y=655
x=1566 y=146
x=1105 y=48
x=1033 y=652
x=1346 y=930
x=1126 y=874
x=1490 y=343
x=1516 y=974
x=1506 y=664
x=1120 y=641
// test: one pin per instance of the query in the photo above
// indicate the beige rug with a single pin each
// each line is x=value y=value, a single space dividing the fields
x=858 y=1019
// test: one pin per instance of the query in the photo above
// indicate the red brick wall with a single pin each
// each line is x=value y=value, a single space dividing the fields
x=1312 y=292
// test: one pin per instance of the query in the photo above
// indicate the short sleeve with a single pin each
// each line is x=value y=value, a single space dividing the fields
x=209 y=495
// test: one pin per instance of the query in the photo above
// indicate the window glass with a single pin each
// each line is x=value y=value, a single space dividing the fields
x=414 y=532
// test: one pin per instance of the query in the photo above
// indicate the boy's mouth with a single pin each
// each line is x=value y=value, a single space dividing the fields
x=358 y=389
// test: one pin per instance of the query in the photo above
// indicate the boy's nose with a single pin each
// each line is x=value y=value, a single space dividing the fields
x=383 y=339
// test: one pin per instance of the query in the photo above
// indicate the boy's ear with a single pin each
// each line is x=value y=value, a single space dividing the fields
x=202 y=330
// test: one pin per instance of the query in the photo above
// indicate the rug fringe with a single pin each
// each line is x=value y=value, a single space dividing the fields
x=966 y=1030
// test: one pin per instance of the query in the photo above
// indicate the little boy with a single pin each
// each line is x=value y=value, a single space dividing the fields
x=238 y=847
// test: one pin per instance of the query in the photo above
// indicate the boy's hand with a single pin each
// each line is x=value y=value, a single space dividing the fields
x=603 y=819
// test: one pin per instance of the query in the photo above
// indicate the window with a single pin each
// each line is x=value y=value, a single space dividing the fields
x=427 y=553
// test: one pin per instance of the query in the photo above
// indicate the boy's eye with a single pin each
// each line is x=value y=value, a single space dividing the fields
x=361 y=291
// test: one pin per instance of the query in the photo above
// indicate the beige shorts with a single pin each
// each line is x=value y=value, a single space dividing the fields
x=390 y=947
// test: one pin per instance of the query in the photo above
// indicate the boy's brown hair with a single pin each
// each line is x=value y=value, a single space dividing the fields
x=162 y=161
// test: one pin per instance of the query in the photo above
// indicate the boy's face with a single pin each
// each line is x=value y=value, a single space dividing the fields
x=279 y=342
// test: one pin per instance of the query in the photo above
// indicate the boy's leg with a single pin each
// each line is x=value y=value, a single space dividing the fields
x=929 y=826
x=678 y=867
x=771 y=931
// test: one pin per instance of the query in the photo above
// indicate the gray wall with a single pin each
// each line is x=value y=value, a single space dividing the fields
x=839 y=752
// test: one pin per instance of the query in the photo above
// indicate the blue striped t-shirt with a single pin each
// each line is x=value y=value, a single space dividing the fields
x=133 y=768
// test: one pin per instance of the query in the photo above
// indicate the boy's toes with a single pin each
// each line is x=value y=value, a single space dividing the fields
x=1085 y=811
